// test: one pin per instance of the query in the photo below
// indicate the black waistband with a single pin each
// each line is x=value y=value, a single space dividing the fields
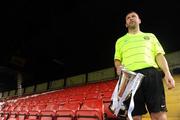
x=147 y=70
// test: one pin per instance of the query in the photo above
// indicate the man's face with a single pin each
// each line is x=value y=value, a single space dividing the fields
x=132 y=20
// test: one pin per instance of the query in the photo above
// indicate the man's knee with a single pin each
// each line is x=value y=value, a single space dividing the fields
x=137 y=117
x=159 y=116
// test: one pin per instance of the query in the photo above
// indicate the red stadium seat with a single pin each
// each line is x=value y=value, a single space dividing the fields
x=93 y=96
x=47 y=115
x=18 y=108
x=53 y=107
x=107 y=112
x=78 y=98
x=88 y=115
x=26 y=108
x=6 y=108
x=68 y=111
x=107 y=94
x=38 y=107
x=4 y=116
x=90 y=110
x=65 y=115
x=33 y=115
x=21 y=115
x=12 y=115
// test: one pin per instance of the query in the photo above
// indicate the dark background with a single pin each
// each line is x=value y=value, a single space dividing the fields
x=48 y=40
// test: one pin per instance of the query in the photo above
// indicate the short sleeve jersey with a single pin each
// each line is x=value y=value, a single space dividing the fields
x=138 y=51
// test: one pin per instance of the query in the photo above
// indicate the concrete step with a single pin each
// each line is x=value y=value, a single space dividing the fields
x=169 y=118
x=173 y=110
x=172 y=99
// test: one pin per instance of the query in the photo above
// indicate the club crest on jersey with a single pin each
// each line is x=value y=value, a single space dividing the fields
x=146 y=37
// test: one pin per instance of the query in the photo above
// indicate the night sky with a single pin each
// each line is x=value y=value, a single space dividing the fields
x=63 y=38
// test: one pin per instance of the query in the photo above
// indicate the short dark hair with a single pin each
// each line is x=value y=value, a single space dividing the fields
x=131 y=11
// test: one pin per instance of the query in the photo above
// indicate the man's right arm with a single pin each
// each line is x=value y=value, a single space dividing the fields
x=118 y=66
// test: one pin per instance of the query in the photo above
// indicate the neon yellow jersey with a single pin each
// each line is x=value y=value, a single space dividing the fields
x=138 y=51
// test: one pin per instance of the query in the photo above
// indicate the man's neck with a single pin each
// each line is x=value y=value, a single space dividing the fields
x=134 y=31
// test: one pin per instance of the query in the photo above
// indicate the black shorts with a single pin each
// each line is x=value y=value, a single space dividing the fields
x=150 y=95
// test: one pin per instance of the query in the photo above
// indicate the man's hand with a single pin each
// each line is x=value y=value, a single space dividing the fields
x=169 y=81
x=118 y=70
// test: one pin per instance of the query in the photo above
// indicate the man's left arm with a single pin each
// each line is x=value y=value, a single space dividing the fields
x=162 y=63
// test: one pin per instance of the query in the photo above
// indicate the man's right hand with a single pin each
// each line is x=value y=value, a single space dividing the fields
x=118 y=66
x=118 y=70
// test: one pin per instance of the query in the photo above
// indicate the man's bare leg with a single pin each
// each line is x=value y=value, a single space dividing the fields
x=158 y=116
x=138 y=117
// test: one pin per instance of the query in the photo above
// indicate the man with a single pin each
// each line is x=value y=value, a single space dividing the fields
x=141 y=52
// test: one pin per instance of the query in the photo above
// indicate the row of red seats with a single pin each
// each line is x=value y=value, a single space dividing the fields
x=68 y=102
x=60 y=101
x=89 y=109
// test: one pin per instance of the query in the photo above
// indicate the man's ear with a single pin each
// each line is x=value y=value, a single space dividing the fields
x=139 y=21
x=126 y=25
